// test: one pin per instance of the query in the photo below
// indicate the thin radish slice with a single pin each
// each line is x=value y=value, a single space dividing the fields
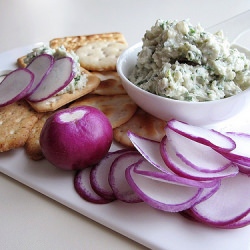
x=198 y=156
x=100 y=173
x=181 y=168
x=117 y=179
x=150 y=150
x=160 y=194
x=40 y=67
x=228 y=205
x=146 y=169
x=60 y=75
x=208 y=137
x=241 y=153
x=84 y=189
x=15 y=86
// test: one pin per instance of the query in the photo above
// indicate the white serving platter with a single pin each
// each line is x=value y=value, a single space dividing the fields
x=139 y=222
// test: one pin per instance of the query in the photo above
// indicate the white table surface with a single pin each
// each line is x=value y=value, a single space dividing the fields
x=29 y=220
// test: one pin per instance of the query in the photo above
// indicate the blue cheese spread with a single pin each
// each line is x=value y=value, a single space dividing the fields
x=184 y=62
x=80 y=79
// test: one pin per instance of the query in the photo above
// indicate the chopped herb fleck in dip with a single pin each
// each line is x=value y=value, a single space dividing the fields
x=184 y=62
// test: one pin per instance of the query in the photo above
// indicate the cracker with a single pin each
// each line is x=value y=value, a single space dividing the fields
x=32 y=145
x=142 y=124
x=118 y=108
x=100 y=55
x=110 y=84
x=16 y=122
x=57 y=101
x=74 y=42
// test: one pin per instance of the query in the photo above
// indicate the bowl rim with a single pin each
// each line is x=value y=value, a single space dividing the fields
x=123 y=59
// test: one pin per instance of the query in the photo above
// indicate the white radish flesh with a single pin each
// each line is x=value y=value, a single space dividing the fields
x=83 y=187
x=15 y=86
x=209 y=137
x=60 y=75
x=228 y=205
x=160 y=194
x=100 y=173
x=182 y=169
x=40 y=67
x=117 y=179
x=198 y=156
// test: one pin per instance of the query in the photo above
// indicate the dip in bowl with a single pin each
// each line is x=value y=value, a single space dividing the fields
x=154 y=73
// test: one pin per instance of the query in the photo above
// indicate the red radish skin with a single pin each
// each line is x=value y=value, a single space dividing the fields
x=40 y=66
x=75 y=138
x=84 y=189
x=59 y=76
x=15 y=86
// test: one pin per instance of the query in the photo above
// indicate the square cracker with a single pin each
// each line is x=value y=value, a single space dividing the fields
x=74 y=42
x=16 y=122
x=100 y=55
x=32 y=145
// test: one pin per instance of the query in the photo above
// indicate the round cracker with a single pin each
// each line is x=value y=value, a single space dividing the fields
x=142 y=124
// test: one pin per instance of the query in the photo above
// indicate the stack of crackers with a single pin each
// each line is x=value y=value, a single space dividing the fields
x=21 y=122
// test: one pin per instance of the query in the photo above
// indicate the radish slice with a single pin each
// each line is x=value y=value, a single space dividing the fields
x=150 y=150
x=100 y=173
x=143 y=167
x=160 y=194
x=84 y=189
x=208 y=137
x=60 y=75
x=181 y=168
x=39 y=66
x=228 y=205
x=241 y=153
x=15 y=86
x=198 y=156
x=117 y=179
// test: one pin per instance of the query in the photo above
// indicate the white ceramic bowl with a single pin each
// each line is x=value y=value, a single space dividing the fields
x=196 y=113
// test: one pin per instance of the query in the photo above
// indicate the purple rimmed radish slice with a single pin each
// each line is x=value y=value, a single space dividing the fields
x=241 y=154
x=84 y=189
x=15 y=86
x=228 y=205
x=40 y=67
x=117 y=178
x=161 y=194
x=100 y=173
x=198 y=156
x=145 y=168
x=181 y=168
x=150 y=150
x=208 y=137
x=59 y=76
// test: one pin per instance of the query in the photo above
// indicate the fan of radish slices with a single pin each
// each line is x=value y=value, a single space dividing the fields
x=41 y=79
x=201 y=173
